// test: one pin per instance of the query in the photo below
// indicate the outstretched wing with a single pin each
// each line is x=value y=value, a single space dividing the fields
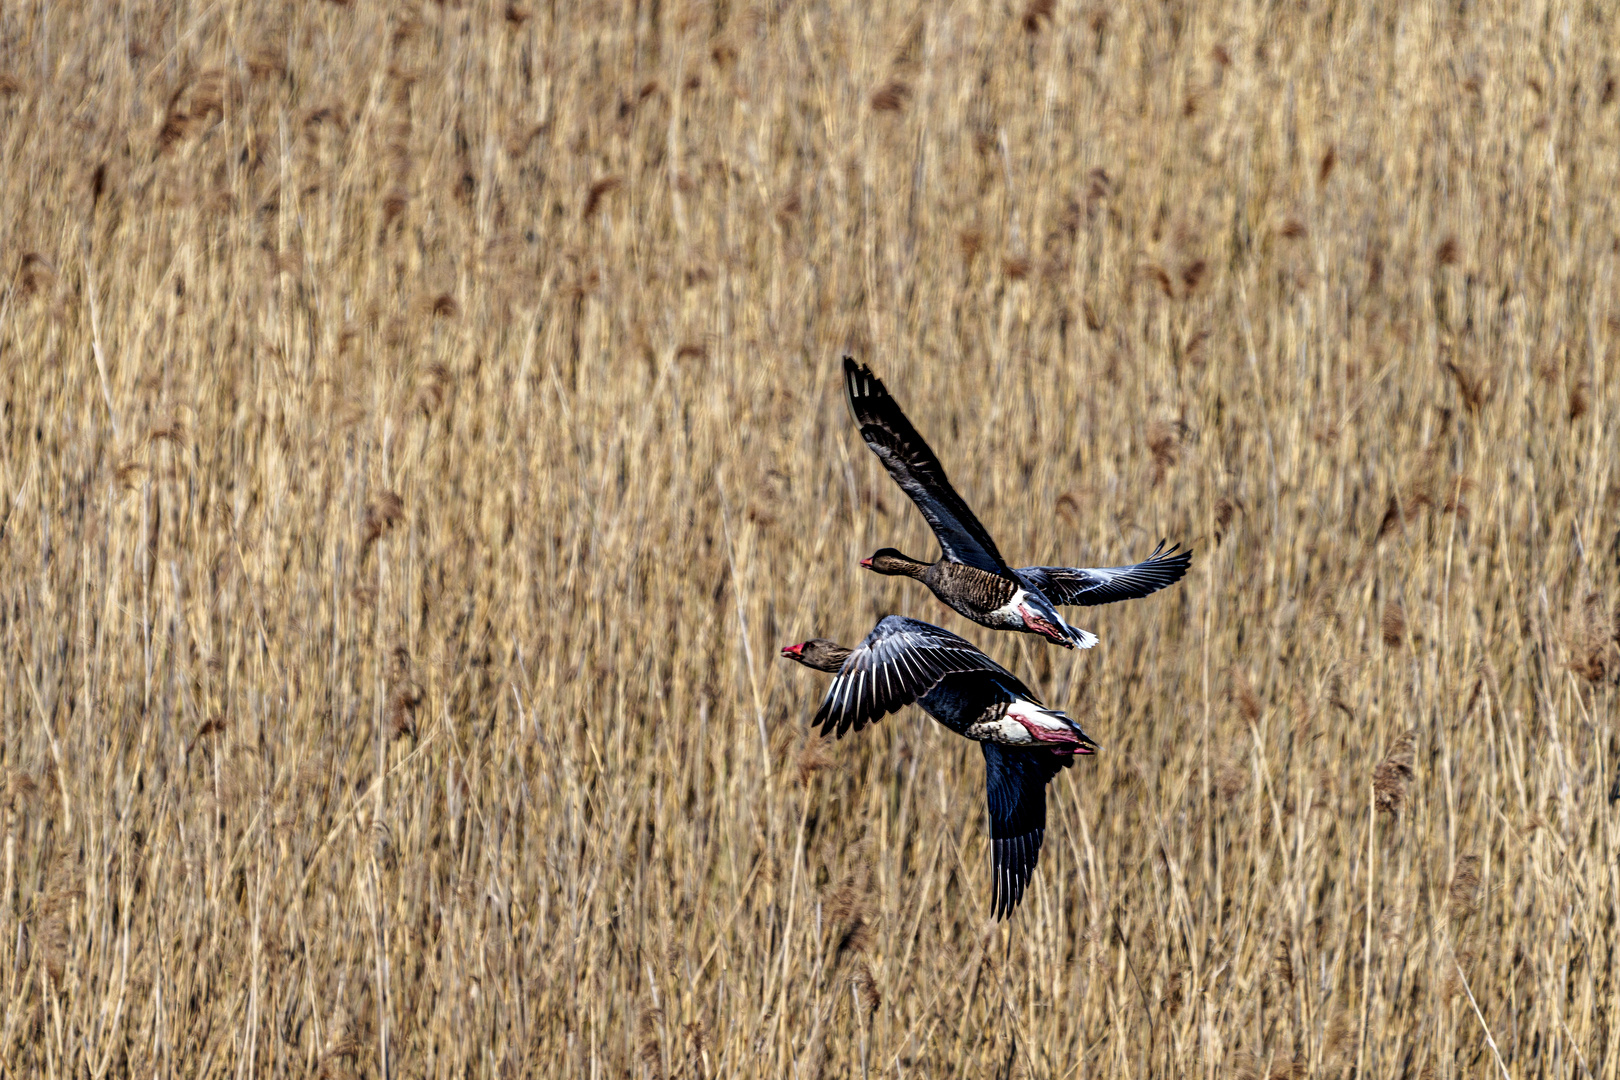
x=900 y=661
x=917 y=471
x=1084 y=587
x=1015 y=788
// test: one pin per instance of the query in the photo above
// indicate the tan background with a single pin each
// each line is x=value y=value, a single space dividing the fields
x=421 y=428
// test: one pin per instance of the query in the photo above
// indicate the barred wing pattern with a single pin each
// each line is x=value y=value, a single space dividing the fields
x=1088 y=587
x=900 y=661
x=918 y=472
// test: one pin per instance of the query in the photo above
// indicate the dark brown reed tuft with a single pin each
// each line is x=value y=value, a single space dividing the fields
x=1324 y=168
x=1473 y=389
x=1392 y=625
x=1016 y=267
x=788 y=208
x=1225 y=510
x=649 y=1049
x=212 y=726
x=1037 y=12
x=970 y=242
x=403 y=701
x=1283 y=963
x=175 y=122
x=9 y=84
x=1162 y=441
x=517 y=15
x=891 y=96
x=1579 y=400
x=814 y=756
x=1391 y=775
x=597 y=192
x=1392 y=517
x=1449 y=253
x=1174 y=991
x=1231 y=779
x=1244 y=697
x=20 y=791
x=1591 y=644
x=847 y=909
x=169 y=431
x=394 y=204
x=1462 y=898
x=1192 y=273
x=1099 y=185
x=1156 y=274
x=381 y=515
x=36 y=274
x=1294 y=229
x=866 y=987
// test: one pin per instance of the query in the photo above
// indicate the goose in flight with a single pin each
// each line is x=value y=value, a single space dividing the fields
x=903 y=661
x=970 y=576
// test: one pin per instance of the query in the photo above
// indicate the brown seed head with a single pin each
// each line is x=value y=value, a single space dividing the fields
x=1330 y=158
x=1159 y=277
x=597 y=192
x=381 y=515
x=1463 y=896
x=866 y=988
x=1037 y=12
x=1192 y=273
x=970 y=241
x=891 y=96
x=1393 y=624
x=1578 y=403
x=814 y=756
x=1393 y=774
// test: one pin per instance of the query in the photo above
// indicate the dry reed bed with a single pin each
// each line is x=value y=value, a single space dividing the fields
x=420 y=428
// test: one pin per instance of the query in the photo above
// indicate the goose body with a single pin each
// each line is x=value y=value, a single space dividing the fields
x=970 y=576
x=905 y=661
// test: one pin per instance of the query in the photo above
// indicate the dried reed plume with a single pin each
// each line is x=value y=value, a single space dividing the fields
x=1394 y=773
x=891 y=96
x=1392 y=625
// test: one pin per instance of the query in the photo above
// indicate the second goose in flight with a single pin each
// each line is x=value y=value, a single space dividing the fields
x=971 y=577
x=1025 y=744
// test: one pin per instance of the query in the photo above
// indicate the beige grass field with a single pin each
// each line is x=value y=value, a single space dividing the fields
x=421 y=427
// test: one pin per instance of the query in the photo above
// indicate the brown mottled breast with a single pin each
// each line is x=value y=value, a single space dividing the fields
x=967 y=588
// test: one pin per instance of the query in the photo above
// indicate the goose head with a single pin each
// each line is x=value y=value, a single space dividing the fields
x=818 y=653
x=890 y=561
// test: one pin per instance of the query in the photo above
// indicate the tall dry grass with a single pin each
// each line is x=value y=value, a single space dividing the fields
x=421 y=426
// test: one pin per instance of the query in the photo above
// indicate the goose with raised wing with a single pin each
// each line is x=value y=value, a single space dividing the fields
x=905 y=661
x=970 y=576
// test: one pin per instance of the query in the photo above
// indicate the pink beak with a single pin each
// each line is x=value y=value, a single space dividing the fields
x=867 y=563
x=792 y=650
